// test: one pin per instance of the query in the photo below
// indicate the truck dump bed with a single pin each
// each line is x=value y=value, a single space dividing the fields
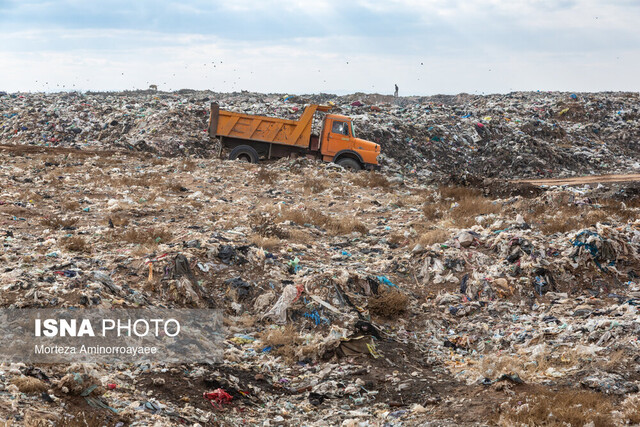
x=261 y=128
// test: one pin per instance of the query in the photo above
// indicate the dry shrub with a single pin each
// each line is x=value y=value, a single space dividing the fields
x=132 y=181
x=397 y=239
x=563 y=219
x=76 y=244
x=433 y=236
x=30 y=385
x=189 y=165
x=388 y=303
x=457 y=193
x=71 y=205
x=470 y=204
x=570 y=407
x=157 y=161
x=143 y=236
x=630 y=409
x=93 y=418
x=267 y=176
x=433 y=211
x=561 y=215
x=269 y=243
x=299 y=236
x=615 y=360
x=613 y=209
x=340 y=190
x=119 y=220
x=264 y=226
x=346 y=226
x=492 y=366
x=175 y=187
x=36 y=419
x=314 y=217
x=55 y=222
x=371 y=180
x=196 y=204
x=34 y=196
x=314 y=185
x=286 y=342
x=470 y=207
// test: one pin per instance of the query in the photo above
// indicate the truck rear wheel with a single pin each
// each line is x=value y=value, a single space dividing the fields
x=245 y=153
x=349 y=164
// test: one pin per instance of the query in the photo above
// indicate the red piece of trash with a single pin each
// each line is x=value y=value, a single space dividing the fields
x=218 y=397
x=111 y=386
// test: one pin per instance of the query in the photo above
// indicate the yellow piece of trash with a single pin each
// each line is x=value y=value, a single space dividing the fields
x=563 y=111
x=373 y=351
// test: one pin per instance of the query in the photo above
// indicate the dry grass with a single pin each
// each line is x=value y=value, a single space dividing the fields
x=314 y=217
x=370 y=180
x=174 y=186
x=143 y=236
x=269 y=243
x=433 y=236
x=30 y=385
x=188 y=165
x=456 y=192
x=55 y=222
x=135 y=181
x=558 y=216
x=264 y=225
x=287 y=342
x=92 y=418
x=434 y=211
x=389 y=303
x=314 y=185
x=459 y=204
x=119 y=220
x=70 y=205
x=267 y=176
x=346 y=226
x=397 y=239
x=468 y=208
x=300 y=236
x=76 y=244
x=547 y=408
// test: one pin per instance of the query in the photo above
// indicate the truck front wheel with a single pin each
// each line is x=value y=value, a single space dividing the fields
x=350 y=164
x=244 y=153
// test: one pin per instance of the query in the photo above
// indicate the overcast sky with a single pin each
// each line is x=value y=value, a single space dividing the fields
x=334 y=46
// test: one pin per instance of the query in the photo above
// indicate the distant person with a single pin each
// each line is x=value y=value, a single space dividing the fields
x=395 y=94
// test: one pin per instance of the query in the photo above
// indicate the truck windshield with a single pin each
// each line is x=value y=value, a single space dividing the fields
x=341 y=128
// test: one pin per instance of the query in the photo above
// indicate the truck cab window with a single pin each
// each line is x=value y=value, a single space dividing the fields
x=338 y=127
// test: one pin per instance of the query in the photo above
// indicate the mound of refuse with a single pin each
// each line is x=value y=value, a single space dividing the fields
x=507 y=136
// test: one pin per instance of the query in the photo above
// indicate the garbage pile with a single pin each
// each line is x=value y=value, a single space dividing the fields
x=349 y=299
x=506 y=136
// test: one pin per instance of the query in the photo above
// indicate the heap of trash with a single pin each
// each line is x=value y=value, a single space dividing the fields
x=521 y=134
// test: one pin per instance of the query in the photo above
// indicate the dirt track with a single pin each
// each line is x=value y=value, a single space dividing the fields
x=593 y=179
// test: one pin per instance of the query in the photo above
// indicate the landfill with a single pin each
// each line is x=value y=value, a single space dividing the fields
x=435 y=292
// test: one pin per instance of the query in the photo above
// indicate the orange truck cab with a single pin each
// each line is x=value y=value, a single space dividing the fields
x=251 y=138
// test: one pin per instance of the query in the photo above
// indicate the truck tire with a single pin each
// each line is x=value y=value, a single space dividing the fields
x=350 y=164
x=245 y=153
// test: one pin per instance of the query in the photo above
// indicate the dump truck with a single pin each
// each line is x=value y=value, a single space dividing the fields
x=251 y=137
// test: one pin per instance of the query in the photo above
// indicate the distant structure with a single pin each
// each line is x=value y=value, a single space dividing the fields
x=395 y=94
x=153 y=87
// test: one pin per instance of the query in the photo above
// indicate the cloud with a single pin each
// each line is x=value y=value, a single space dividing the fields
x=277 y=45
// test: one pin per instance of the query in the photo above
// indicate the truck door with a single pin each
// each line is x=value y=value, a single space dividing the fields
x=338 y=137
